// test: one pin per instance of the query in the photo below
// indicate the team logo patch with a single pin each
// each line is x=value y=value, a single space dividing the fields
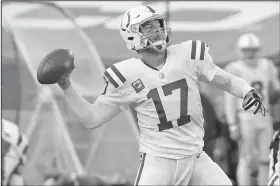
x=138 y=85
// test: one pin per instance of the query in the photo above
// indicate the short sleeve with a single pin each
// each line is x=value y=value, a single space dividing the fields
x=206 y=69
x=114 y=92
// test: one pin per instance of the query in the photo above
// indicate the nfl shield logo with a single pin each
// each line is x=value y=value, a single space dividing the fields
x=138 y=85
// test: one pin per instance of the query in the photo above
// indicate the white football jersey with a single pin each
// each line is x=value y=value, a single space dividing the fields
x=167 y=101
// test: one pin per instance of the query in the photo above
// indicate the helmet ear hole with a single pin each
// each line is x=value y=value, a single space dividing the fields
x=130 y=38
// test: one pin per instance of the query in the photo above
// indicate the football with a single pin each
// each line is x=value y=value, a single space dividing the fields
x=54 y=65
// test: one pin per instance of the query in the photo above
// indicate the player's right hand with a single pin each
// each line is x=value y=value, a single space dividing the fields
x=65 y=81
x=56 y=67
x=253 y=99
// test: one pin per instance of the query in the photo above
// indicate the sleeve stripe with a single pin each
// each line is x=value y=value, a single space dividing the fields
x=109 y=77
x=193 y=52
x=117 y=72
x=202 y=51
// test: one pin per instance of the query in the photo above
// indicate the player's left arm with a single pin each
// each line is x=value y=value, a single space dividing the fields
x=212 y=74
x=231 y=107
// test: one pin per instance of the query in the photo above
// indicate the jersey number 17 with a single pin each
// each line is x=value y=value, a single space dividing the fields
x=167 y=90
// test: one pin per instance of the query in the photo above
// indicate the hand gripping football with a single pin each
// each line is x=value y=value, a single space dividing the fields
x=54 y=65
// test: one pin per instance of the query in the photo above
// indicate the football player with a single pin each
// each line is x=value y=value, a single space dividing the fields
x=274 y=167
x=13 y=153
x=162 y=85
x=253 y=132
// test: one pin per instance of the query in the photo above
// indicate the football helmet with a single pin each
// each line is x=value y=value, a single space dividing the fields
x=136 y=37
x=248 y=41
x=14 y=150
x=248 y=46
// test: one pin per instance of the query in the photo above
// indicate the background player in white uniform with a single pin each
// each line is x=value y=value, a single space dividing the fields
x=274 y=165
x=13 y=154
x=163 y=87
x=253 y=132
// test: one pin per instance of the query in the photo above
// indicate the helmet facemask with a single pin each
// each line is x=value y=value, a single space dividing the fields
x=157 y=38
x=249 y=53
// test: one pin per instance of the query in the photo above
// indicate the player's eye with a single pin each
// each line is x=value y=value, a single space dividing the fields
x=149 y=26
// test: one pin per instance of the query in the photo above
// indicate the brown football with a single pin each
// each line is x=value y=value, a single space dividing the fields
x=54 y=65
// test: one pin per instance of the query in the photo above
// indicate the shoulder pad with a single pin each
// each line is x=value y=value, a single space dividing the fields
x=266 y=61
x=118 y=73
x=196 y=49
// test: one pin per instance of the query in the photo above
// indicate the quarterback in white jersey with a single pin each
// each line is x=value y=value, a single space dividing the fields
x=253 y=132
x=163 y=87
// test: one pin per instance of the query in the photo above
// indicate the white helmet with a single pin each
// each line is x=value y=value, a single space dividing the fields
x=131 y=27
x=248 y=41
x=14 y=148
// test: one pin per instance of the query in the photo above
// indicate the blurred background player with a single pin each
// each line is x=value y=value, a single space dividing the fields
x=13 y=154
x=253 y=132
x=274 y=167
